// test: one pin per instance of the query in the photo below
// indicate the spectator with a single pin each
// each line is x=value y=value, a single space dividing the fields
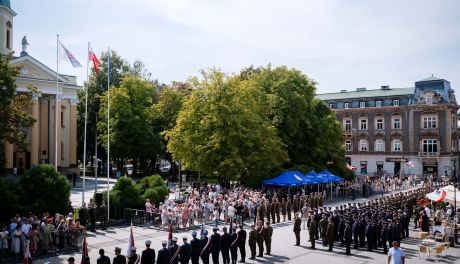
x=396 y=254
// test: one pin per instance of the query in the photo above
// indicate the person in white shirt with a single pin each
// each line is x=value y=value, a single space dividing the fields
x=148 y=210
x=231 y=212
x=428 y=211
x=396 y=255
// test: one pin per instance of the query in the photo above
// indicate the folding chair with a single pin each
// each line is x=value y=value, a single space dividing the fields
x=422 y=249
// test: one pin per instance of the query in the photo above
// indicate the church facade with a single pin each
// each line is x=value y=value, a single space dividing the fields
x=44 y=145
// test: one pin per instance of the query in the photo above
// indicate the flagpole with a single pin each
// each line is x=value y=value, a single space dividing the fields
x=108 y=133
x=84 y=142
x=56 y=106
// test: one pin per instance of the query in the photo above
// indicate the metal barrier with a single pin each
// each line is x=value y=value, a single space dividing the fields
x=134 y=216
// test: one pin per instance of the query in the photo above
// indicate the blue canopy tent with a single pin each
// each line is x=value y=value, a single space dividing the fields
x=330 y=177
x=288 y=179
x=315 y=178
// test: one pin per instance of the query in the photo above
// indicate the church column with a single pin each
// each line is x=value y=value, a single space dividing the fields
x=35 y=131
x=73 y=133
x=8 y=156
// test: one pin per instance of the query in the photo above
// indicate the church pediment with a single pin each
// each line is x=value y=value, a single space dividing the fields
x=32 y=69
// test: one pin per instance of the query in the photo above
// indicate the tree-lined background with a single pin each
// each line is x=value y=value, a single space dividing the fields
x=249 y=125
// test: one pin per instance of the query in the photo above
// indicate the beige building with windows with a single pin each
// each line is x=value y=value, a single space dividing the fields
x=41 y=139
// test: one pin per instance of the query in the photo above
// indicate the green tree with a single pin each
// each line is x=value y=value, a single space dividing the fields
x=305 y=124
x=14 y=118
x=10 y=194
x=224 y=127
x=123 y=195
x=163 y=114
x=131 y=133
x=153 y=188
x=97 y=86
x=45 y=190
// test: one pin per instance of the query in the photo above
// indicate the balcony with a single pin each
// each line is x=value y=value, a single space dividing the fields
x=379 y=133
x=396 y=132
x=347 y=132
x=429 y=156
x=432 y=132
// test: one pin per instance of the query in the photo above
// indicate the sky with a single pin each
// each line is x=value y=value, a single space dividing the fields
x=341 y=44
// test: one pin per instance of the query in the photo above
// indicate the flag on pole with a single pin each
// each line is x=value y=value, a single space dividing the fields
x=27 y=257
x=170 y=236
x=84 y=249
x=66 y=55
x=92 y=57
x=130 y=242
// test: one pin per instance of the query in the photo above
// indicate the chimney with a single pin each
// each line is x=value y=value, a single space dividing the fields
x=343 y=91
x=362 y=89
x=385 y=87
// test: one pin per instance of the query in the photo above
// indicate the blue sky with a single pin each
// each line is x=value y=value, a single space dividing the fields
x=341 y=44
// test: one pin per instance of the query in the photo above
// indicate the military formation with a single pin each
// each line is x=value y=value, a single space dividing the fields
x=371 y=225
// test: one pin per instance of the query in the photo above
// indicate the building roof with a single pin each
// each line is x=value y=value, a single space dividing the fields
x=5 y=3
x=367 y=94
x=431 y=78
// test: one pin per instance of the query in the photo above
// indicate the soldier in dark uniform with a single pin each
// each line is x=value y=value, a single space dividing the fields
x=148 y=255
x=312 y=230
x=163 y=254
x=83 y=215
x=288 y=207
x=260 y=238
x=370 y=235
x=205 y=247
x=185 y=252
x=196 y=248
x=103 y=259
x=347 y=233
x=261 y=212
x=92 y=214
x=297 y=224
x=174 y=252
x=317 y=219
x=215 y=246
x=242 y=243
x=355 y=230
x=119 y=259
x=296 y=204
x=225 y=242
x=323 y=224
x=234 y=245
x=341 y=230
x=277 y=210
x=103 y=215
x=134 y=258
x=283 y=209
x=362 y=232
x=330 y=234
x=253 y=234
x=384 y=236
x=267 y=235
x=273 y=211
x=269 y=208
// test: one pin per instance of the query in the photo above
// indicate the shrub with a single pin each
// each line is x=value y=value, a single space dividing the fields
x=45 y=190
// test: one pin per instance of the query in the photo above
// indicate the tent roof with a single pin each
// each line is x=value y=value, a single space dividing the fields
x=287 y=179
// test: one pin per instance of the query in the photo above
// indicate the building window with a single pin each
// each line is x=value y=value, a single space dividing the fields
x=362 y=104
x=348 y=145
x=378 y=103
x=428 y=99
x=396 y=145
x=8 y=39
x=347 y=105
x=62 y=119
x=363 y=124
x=429 y=122
x=395 y=102
x=396 y=123
x=62 y=151
x=363 y=146
x=430 y=145
x=379 y=145
x=348 y=124
x=332 y=105
x=379 y=124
